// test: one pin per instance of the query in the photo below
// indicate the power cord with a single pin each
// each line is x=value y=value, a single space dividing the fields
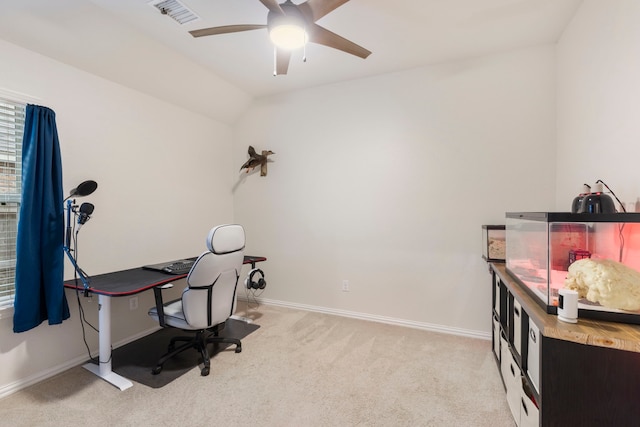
x=614 y=194
x=621 y=226
x=83 y=319
x=252 y=296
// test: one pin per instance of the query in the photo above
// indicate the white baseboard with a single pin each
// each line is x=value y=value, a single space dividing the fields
x=48 y=373
x=374 y=318
x=40 y=376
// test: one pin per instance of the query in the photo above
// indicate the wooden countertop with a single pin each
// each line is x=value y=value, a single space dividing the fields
x=599 y=333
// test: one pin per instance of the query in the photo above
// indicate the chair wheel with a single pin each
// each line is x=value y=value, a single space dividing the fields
x=238 y=349
x=156 y=370
x=204 y=372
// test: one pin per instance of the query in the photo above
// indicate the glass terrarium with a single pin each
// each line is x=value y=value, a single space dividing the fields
x=493 y=243
x=597 y=255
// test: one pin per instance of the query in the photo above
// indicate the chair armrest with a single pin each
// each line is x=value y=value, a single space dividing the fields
x=157 y=293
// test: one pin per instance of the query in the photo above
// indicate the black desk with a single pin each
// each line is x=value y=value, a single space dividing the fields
x=119 y=284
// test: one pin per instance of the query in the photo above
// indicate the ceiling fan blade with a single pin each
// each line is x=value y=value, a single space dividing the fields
x=282 y=61
x=225 y=30
x=316 y=9
x=273 y=6
x=320 y=35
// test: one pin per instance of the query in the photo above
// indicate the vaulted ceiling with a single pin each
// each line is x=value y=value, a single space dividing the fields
x=132 y=43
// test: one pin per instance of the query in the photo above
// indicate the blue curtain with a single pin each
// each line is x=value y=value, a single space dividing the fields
x=40 y=254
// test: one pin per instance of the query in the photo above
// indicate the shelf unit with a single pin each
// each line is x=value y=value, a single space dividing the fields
x=561 y=374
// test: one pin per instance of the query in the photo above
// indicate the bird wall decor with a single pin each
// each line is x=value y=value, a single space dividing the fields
x=256 y=160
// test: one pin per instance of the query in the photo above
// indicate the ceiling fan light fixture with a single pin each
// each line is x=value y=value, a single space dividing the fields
x=288 y=33
x=288 y=36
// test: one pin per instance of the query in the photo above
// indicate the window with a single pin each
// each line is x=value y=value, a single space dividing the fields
x=11 y=128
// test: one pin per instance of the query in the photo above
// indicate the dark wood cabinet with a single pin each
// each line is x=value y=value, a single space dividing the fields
x=584 y=374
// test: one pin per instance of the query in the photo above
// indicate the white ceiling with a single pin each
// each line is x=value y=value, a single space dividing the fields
x=130 y=42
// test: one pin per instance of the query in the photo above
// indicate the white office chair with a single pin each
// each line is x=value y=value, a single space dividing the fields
x=209 y=299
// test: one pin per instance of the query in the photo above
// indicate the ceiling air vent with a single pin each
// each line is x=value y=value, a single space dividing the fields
x=175 y=10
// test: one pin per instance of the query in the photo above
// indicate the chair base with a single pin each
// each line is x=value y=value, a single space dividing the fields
x=200 y=342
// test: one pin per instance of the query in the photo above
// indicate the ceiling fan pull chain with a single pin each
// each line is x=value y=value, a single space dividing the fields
x=304 y=46
x=275 y=61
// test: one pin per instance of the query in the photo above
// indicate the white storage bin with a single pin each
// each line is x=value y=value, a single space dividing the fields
x=496 y=337
x=513 y=383
x=533 y=355
x=529 y=413
x=517 y=326
x=504 y=358
x=496 y=303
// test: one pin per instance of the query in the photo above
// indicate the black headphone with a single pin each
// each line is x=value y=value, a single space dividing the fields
x=260 y=284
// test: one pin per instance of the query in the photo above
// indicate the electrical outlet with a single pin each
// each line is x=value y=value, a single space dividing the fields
x=133 y=303
x=345 y=286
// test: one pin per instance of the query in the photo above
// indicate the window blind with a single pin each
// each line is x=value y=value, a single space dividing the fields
x=12 y=116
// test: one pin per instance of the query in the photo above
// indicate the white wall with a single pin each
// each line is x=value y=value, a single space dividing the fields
x=136 y=148
x=599 y=100
x=386 y=182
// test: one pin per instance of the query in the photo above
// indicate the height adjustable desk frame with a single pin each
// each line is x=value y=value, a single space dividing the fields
x=119 y=284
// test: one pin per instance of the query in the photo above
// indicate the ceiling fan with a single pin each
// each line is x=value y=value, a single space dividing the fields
x=292 y=26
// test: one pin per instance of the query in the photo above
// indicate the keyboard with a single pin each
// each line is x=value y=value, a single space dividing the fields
x=182 y=266
x=178 y=267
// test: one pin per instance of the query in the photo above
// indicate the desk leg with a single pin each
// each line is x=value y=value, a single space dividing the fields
x=103 y=369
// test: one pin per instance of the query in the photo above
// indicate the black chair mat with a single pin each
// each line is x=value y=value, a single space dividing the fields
x=136 y=359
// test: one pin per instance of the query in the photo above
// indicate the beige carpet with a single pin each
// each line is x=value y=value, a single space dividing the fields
x=299 y=369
